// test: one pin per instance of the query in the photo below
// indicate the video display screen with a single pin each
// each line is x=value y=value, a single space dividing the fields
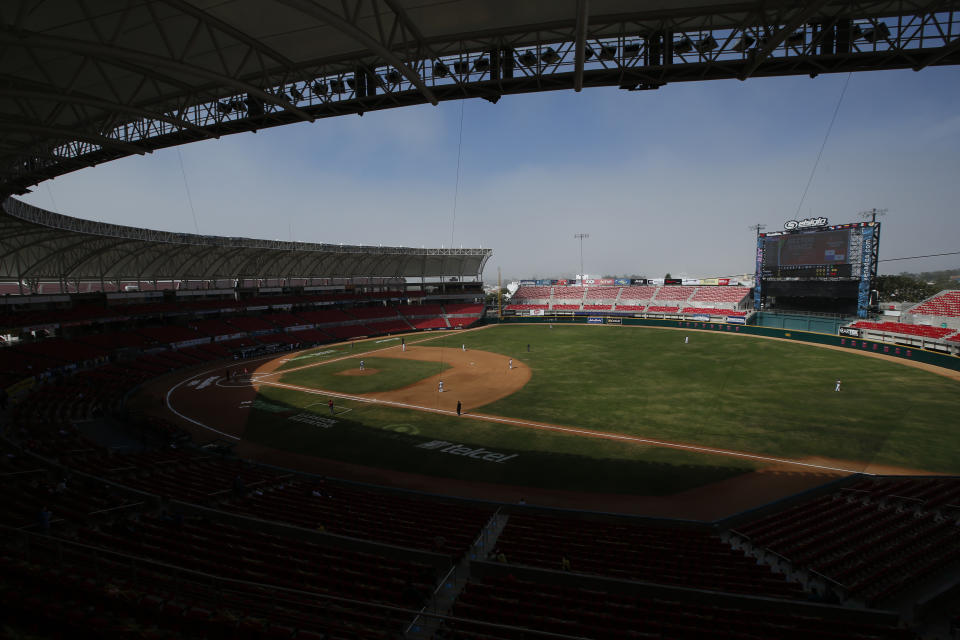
x=815 y=254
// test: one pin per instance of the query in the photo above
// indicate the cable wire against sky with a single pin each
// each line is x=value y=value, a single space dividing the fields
x=816 y=163
x=187 y=188
x=456 y=188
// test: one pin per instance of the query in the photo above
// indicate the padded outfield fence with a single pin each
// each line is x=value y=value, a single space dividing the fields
x=853 y=343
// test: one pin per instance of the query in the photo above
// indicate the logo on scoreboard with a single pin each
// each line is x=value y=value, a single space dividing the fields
x=806 y=223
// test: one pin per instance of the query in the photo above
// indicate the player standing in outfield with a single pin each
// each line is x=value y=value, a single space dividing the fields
x=330 y=404
x=686 y=340
x=361 y=365
x=837 y=388
x=510 y=364
x=463 y=347
x=459 y=406
x=440 y=387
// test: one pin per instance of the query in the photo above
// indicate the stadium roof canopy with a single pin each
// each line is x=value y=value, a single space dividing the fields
x=84 y=82
x=38 y=245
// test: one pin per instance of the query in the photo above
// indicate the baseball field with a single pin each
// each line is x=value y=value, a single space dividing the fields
x=623 y=410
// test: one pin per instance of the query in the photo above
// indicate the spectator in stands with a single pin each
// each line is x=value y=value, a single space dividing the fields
x=564 y=563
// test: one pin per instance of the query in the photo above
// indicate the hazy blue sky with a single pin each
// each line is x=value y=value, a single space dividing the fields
x=665 y=180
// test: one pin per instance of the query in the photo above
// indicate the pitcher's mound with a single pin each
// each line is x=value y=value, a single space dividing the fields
x=357 y=372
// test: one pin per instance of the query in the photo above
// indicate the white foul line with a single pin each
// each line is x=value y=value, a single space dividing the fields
x=550 y=427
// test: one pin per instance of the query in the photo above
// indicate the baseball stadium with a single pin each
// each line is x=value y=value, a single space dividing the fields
x=218 y=436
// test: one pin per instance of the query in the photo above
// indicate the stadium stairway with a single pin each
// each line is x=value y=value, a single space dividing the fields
x=424 y=627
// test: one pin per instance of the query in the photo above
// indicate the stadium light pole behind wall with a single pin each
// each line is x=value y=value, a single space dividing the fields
x=581 y=236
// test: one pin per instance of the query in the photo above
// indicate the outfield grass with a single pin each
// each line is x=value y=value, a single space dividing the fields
x=727 y=391
x=732 y=391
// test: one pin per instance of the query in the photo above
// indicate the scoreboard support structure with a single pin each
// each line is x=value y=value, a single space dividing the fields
x=820 y=263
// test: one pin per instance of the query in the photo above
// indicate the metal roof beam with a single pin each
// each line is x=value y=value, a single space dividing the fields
x=232 y=31
x=31 y=39
x=778 y=38
x=322 y=13
x=70 y=134
x=580 y=35
x=91 y=101
x=936 y=57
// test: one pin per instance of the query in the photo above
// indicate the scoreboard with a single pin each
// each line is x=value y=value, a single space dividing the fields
x=813 y=265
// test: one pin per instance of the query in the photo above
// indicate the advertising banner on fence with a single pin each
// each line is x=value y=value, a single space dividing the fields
x=723 y=281
x=690 y=281
x=528 y=283
x=536 y=312
x=849 y=331
x=594 y=320
x=606 y=281
x=544 y=283
x=562 y=281
x=638 y=281
x=614 y=321
x=736 y=320
x=621 y=281
x=656 y=281
x=700 y=318
x=710 y=281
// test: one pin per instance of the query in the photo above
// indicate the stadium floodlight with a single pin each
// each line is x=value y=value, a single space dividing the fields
x=683 y=45
x=796 y=39
x=296 y=93
x=527 y=59
x=224 y=107
x=550 y=56
x=588 y=53
x=320 y=88
x=461 y=67
x=482 y=65
x=337 y=86
x=707 y=44
x=352 y=82
x=440 y=70
x=631 y=50
x=392 y=77
x=745 y=42
x=874 y=33
x=608 y=52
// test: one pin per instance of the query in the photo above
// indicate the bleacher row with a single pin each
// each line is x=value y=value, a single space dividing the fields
x=82 y=312
x=686 y=300
x=199 y=340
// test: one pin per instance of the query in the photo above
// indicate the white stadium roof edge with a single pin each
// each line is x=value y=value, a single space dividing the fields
x=82 y=83
x=39 y=245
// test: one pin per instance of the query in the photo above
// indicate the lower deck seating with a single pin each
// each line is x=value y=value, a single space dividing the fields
x=614 y=615
x=668 y=555
x=868 y=538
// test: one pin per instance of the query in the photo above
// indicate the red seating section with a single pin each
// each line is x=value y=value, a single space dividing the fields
x=675 y=293
x=654 y=308
x=945 y=304
x=713 y=311
x=919 y=330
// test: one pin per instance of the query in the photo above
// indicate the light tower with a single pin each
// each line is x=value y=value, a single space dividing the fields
x=872 y=214
x=581 y=236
